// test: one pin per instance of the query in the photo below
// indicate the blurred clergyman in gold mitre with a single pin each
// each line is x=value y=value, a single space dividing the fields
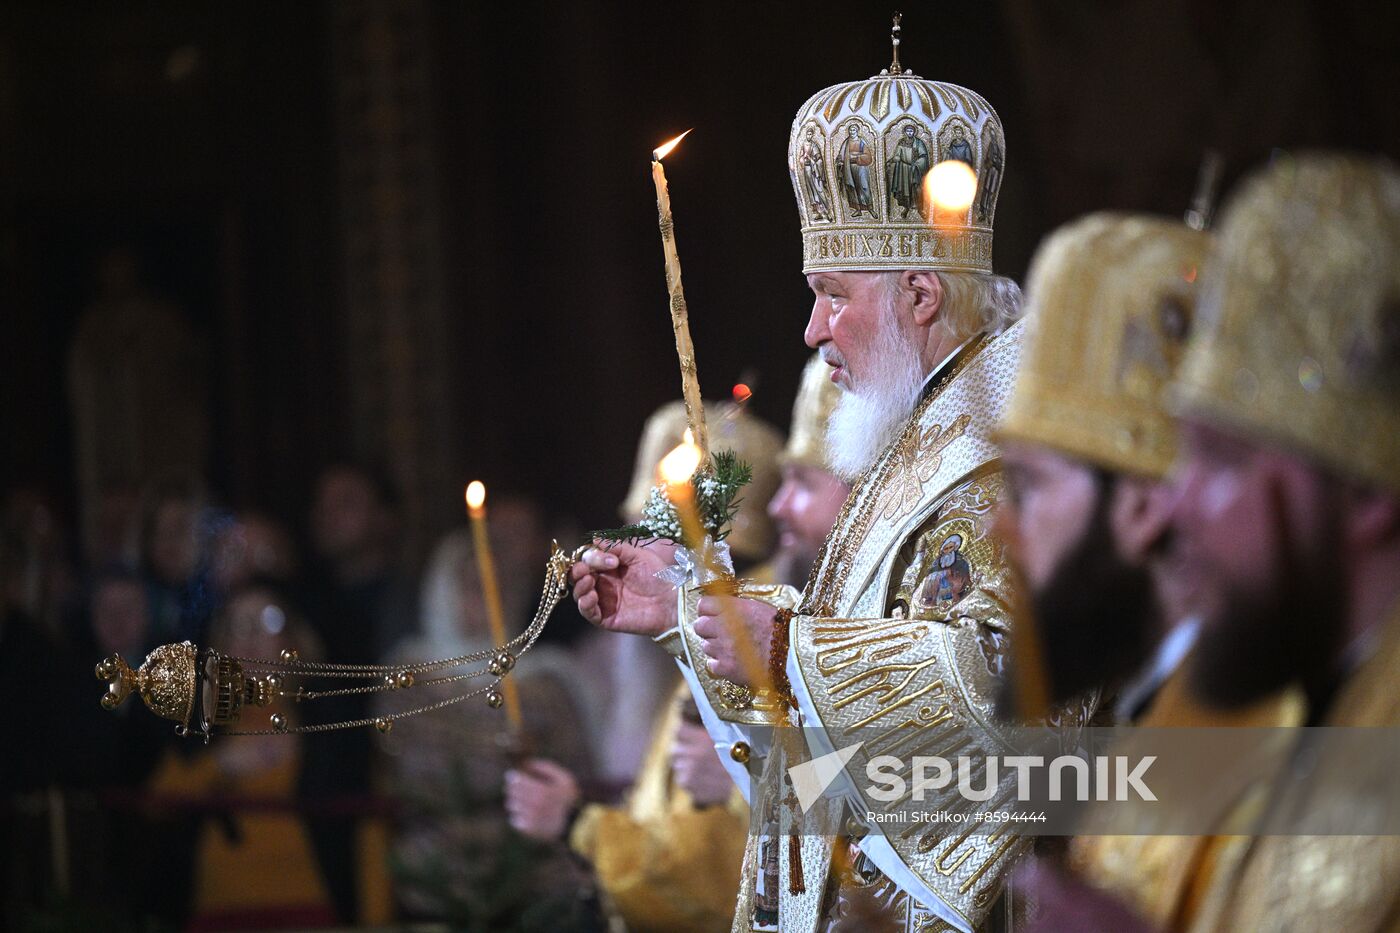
x=1086 y=444
x=920 y=336
x=1289 y=507
x=1287 y=510
x=668 y=857
x=752 y=535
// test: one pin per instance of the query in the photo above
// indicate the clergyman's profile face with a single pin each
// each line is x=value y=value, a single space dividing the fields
x=1259 y=530
x=1050 y=499
x=1097 y=611
x=844 y=322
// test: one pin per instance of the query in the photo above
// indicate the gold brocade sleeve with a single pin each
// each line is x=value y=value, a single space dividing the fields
x=731 y=702
x=921 y=677
x=664 y=863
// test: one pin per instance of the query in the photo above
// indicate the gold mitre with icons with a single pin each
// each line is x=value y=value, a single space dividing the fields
x=896 y=172
x=816 y=399
x=732 y=428
x=1110 y=302
x=1299 y=335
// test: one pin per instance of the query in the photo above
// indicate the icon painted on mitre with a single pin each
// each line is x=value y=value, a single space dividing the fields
x=960 y=148
x=1150 y=347
x=905 y=169
x=990 y=176
x=853 y=168
x=811 y=164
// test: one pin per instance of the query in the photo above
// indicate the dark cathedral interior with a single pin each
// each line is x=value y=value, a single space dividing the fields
x=281 y=278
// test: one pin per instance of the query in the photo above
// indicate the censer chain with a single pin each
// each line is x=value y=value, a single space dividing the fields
x=555 y=587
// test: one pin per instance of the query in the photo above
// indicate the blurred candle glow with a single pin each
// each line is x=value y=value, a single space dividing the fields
x=476 y=495
x=951 y=185
x=676 y=469
x=678 y=466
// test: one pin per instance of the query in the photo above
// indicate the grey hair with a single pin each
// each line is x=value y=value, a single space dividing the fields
x=974 y=302
x=979 y=303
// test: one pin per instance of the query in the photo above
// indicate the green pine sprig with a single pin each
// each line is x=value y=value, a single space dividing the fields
x=716 y=488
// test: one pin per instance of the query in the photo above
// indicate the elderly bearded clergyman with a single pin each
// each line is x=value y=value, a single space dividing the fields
x=922 y=339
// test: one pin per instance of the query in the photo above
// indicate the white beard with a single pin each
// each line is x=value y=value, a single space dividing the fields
x=869 y=416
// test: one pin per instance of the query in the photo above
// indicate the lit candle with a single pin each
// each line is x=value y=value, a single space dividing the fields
x=680 y=317
x=476 y=511
x=676 y=469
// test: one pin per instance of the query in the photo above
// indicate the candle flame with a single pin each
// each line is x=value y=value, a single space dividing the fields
x=952 y=184
x=680 y=464
x=476 y=494
x=663 y=150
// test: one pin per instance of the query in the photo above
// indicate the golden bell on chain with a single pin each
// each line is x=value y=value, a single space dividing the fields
x=404 y=680
x=279 y=722
x=494 y=698
x=384 y=724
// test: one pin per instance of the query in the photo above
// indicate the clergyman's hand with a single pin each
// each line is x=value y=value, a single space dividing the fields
x=696 y=766
x=617 y=589
x=721 y=622
x=539 y=798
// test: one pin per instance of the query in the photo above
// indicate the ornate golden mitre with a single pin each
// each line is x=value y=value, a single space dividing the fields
x=1110 y=302
x=816 y=397
x=753 y=440
x=1299 y=337
x=867 y=162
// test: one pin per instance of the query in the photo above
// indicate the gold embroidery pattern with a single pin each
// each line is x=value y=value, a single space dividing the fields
x=917 y=459
x=919 y=687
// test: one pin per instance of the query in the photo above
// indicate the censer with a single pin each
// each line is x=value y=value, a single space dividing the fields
x=206 y=691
